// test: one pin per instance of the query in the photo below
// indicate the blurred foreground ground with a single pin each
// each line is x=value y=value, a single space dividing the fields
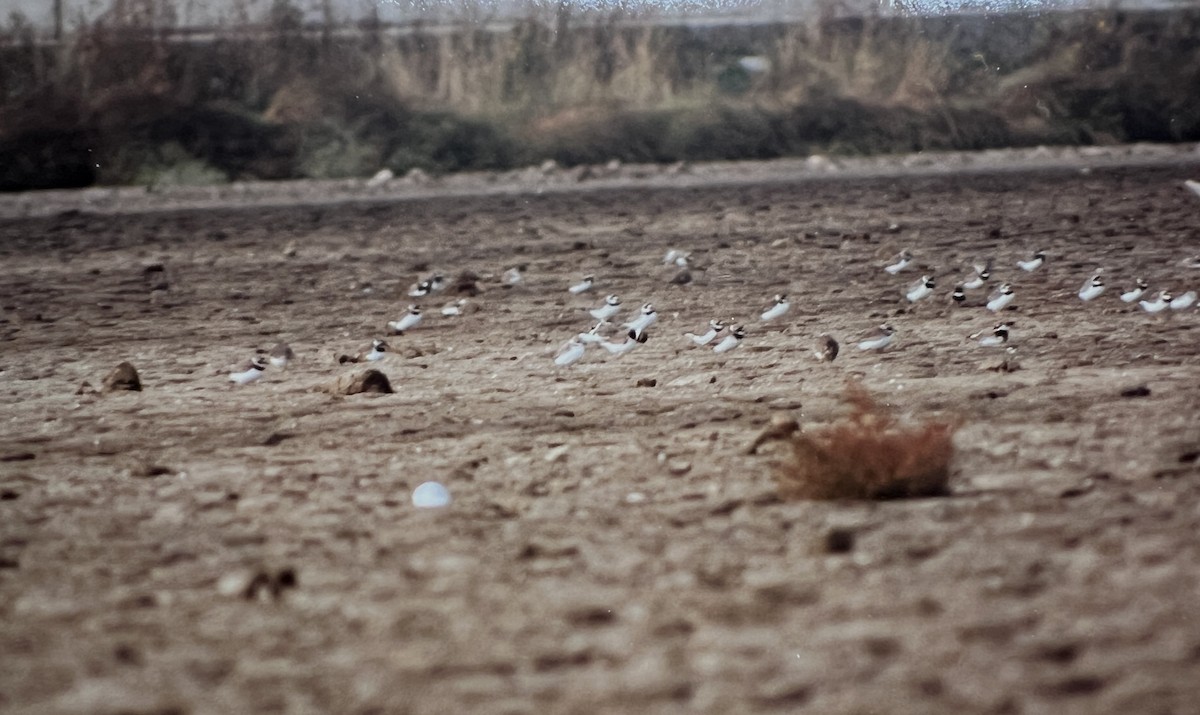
x=610 y=547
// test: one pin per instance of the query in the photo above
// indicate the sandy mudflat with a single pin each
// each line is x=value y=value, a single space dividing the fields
x=610 y=547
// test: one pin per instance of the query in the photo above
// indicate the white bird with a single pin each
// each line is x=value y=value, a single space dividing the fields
x=1092 y=289
x=612 y=305
x=1001 y=298
x=408 y=322
x=648 y=317
x=731 y=341
x=714 y=329
x=1159 y=304
x=593 y=336
x=999 y=336
x=1138 y=289
x=281 y=355
x=677 y=257
x=982 y=274
x=1183 y=301
x=632 y=340
x=920 y=289
x=778 y=309
x=249 y=371
x=378 y=351
x=455 y=308
x=879 y=339
x=432 y=284
x=903 y=260
x=1034 y=263
x=582 y=286
x=1193 y=185
x=514 y=275
x=570 y=352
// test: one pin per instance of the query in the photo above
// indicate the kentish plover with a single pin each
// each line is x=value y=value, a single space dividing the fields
x=714 y=329
x=1139 y=289
x=582 y=286
x=514 y=275
x=456 y=308
x=377 y=352
x=1092 y=289
x=1034 y=263
x=920 y=289
x=676 y=257
x=648 y=317
x=612 y=305
x=958 y=296
x=570 y=352
x=433 y=284
x=731 y=341
x=593 y=336
x=1186 y=300
x=1000 y=299
x=902 y=261
x=408 y=322
x=981 y=276
x=281 y=355
x=249 y=371
x=998 y=336
x=632 y=340
x=879 y=339
x=1159 y=304
x=778 y=309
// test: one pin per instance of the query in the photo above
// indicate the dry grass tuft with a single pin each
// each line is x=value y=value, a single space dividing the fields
x=868 y=456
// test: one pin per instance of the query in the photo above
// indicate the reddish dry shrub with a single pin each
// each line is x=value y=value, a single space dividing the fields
x=868 y=456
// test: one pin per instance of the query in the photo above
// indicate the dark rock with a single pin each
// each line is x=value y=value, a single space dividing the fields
x=123 y=378
x=1138 y=391
x=372 y=381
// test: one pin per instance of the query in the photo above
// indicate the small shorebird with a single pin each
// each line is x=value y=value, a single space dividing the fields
x=280 y=356
x=1092 y=289
x=433 y=284
x=998 y=336
x=582 y=286
x=903 y=260
x=731 y=341
x=1034 y=263
x=249 y=371
x=408 y=322
x=1001 y=298
x=1139 y=288
x=632 y=340
x=879 y=339
x=570 y=352
x=982 y=274
x=648 y=317
x=612 y=305
x=714 y=329
x=778 y=309
x=920 y=289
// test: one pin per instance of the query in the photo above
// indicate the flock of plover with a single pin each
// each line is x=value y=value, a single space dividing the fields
x=611 y=338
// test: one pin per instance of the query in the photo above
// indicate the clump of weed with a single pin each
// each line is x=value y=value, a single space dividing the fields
x=868 y=455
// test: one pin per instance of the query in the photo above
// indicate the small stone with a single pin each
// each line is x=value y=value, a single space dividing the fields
x=370 y=381
x=646 y=382
x=679 y=467
x=430 y=495
x=123 y=377
x=839 y=540
x=683 y=277
x=1138 y=391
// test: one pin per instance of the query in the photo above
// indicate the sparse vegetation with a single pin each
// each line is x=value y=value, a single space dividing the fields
x=115 y=101
x=868 y=455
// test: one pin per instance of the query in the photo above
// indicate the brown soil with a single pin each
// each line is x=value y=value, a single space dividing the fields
x=200 y=548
